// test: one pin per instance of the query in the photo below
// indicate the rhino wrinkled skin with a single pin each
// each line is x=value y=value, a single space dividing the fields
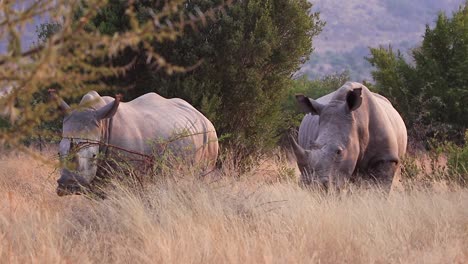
x=144 y=125
x=349 y=135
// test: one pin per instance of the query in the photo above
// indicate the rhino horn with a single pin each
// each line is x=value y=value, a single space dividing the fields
x=300 y=152
x=110 y=109
x=62 y=105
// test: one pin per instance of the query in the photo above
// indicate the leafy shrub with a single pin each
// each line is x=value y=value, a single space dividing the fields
x=71 y=60
x=444 y=161
x=237 y=68
x=430 y=92
x=457 y=159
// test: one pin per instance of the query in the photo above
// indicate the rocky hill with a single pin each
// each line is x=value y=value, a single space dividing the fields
x=354 y=25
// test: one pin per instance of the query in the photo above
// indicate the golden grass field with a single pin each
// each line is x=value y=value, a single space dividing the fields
x=255 y=218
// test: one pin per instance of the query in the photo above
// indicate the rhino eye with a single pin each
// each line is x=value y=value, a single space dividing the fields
x=339 y=151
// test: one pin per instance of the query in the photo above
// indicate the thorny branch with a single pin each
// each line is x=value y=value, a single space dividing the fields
x=66 y=61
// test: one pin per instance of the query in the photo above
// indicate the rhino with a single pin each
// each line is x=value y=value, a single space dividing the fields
x=349 y=135
x=145 y=127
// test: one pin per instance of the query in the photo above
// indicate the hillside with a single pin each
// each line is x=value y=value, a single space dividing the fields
x=353 y=26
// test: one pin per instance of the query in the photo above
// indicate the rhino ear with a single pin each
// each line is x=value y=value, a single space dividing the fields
x=109 y=110
x=354 y=99
x=309 y=105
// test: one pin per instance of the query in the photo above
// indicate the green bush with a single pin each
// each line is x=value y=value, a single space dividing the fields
x=244 y=61
x=431 y=91
x=79 y=58
x=457 y=160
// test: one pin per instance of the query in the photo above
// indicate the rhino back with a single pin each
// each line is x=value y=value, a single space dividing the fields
x=151 y=120
x=382 y=132
x=387 y=127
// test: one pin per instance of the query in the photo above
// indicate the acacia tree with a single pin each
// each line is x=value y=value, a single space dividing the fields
x=67 y=59
x=431 y=92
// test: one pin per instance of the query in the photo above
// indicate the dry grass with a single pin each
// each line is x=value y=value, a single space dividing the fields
x=185 y=220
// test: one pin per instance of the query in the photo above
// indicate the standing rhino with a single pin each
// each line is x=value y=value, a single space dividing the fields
x=349 y=134
x=139 y=128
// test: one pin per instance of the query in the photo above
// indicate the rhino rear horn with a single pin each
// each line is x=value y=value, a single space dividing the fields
x=110 y=109
x=62 y=105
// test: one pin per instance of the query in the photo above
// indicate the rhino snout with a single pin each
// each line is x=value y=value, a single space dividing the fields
x=313 y=180
x=70 y=183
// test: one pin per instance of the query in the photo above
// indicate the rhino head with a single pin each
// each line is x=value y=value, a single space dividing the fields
x=79 y=147
x=331 y=159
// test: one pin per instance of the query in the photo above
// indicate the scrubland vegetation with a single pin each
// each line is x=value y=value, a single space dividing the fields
x=259 y=217
x=251 y=209
x=354 y=26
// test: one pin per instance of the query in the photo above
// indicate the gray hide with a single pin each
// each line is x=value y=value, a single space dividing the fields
x=350 y=134
x=144 y=125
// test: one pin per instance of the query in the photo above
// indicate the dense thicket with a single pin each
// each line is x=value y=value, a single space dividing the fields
x=244 y=63
x=431 y=90
x=72 y=56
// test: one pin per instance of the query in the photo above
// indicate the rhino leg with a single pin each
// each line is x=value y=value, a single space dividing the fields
x=383 y=172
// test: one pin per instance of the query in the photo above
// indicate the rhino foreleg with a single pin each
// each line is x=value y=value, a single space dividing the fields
x=383 y=172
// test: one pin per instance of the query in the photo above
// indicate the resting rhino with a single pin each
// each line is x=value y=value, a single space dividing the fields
x=347 y=135
x=135 y=129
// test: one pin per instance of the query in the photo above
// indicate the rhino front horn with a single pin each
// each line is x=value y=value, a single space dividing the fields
x=300 y=153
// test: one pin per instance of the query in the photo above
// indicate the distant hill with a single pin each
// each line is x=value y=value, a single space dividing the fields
x=354 y=25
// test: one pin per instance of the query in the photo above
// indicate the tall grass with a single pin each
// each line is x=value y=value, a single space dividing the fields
x=182 y=219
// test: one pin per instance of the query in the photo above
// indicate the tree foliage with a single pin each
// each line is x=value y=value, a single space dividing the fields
x=68 y=59
x=240 y=66
x=431 y=91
